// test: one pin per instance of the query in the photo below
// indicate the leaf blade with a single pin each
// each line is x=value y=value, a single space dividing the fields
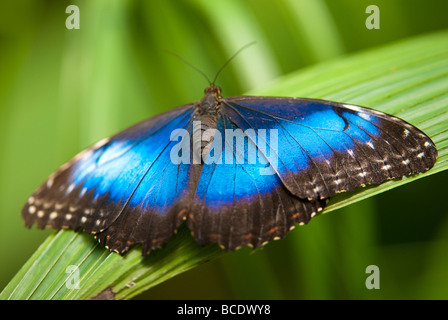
x=402 y=79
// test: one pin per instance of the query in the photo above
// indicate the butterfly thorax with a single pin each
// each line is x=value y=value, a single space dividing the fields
x=210 y=102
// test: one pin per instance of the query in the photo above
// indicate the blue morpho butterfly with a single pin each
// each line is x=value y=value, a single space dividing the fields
x=241 y=170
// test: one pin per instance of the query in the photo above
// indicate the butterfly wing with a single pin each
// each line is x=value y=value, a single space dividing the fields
x=327 y=147
x=236 y=204
x=125 y=188
x=321 y=148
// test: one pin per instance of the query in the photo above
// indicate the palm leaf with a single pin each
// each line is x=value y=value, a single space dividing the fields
x=408 y=79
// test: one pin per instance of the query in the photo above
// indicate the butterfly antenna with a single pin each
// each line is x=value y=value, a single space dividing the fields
x=231 y=58
x=189 y=64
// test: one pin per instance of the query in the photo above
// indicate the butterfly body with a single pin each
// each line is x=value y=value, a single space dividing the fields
x=241 y=170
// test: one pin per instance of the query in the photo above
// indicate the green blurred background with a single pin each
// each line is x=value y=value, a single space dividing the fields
x=62 y=90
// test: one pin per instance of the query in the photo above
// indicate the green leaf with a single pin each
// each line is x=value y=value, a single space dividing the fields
x=408 y=79
x=68 y=258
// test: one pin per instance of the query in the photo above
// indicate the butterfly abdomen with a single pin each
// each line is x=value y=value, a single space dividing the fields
x=205 y=123
x=204 y=130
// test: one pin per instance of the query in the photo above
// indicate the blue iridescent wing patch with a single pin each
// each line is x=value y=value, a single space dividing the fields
x=240 y=170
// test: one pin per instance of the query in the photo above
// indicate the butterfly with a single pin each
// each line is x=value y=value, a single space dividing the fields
x=240 y=170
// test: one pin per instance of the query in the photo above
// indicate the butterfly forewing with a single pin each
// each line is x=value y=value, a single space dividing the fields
x=128 y=177
x=327 y=147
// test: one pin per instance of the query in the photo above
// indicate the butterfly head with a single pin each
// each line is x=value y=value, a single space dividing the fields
x=213 y=90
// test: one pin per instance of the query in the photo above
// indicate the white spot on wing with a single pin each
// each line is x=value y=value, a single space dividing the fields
x=406 y=132
x=50 y=181
x=351 y=153
x=70 y=188
x=58 y=206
